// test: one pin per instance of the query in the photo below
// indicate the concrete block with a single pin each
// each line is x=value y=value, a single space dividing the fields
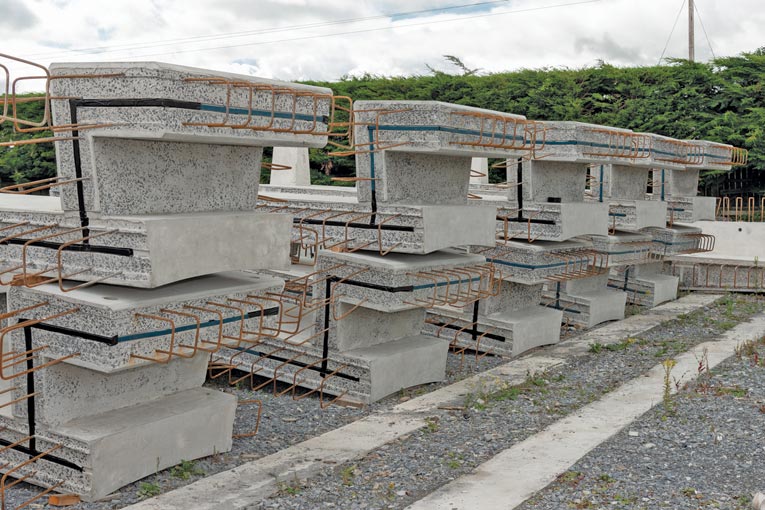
x=587 y=301
x=545 y=181
x=691 y=209
x=555 y=222
x=670 y=153
x=299 y=173
x=67 y=392
x=121 y=446
x=534 y=262
x=148 y=251
x=716 y=156
x=109 y=312
x=423 y=148
x=626 y=182
x=684 y=183
x=637 y=214
x=403 y=363
x=135 y=104
x=418 y=229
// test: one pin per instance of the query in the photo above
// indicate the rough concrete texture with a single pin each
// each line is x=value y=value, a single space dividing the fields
x=548 y=180
x=298 y=173
x=589 y=143
x=691 y=209
x=432 y=130
x=636 y=215
x=671 y=153
x=419 y=229
x=109 y=312
x=533 y=262
x=716 y=156
x=153 y=250
x=624 y=181
x=684 y=183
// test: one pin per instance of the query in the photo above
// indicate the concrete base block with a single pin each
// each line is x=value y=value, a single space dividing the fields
x=587 y=301
x=125 y=445
x=509 y=333
x=691 y=209
x=364 y=375
x=67 y=392
x=403 y=363
x=637 y=214
x=555 y=221
x=151 y=251
x=400 y=228
x=649 y=289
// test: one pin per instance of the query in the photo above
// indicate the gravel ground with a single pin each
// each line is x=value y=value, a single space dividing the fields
x=454 y=442
x=704 y=450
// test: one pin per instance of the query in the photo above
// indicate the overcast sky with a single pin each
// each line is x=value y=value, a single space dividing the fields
x=327 y=39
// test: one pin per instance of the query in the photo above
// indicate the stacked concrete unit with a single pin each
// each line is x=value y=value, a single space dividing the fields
x=383 y=253
x=549 y=203
x=685 y=236
x=123 y=287
x=636 y=264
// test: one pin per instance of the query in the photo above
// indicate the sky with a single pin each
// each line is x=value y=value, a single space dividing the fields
x=329 y=39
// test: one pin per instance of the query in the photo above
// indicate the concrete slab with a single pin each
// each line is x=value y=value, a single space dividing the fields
x=149 y=251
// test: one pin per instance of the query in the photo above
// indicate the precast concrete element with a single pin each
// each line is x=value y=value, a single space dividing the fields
x=290 y=167
x=138 y=251
x=735 y=263
x=507 y=324
x=586 y=301
x=322 y=220
x=182 y=132
x=646 y=284
x=624 y=188
x=418 y=152
x=108 y=367
x=369 y=311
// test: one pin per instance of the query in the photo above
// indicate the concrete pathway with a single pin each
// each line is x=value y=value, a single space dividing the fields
x=245 y=485
x=516 y=474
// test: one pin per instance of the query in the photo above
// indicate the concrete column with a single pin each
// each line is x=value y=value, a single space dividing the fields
x=480 y=165
x=295 y=157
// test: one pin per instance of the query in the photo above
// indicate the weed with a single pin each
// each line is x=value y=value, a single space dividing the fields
x=669 y=404
x=185 y=470
x=571 y=478
x=596 y=347
x=149 y=490
x=347 y=474
x=290 y=489
x=431 y=424
x=606 y=478
x=735 y=391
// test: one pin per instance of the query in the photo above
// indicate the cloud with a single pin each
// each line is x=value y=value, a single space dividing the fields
x=16 y=16
x=328 y=39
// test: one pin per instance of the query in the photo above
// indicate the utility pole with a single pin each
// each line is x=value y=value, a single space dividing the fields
x=691 y=38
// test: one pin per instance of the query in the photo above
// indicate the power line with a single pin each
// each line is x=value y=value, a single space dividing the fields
x=677 y=18
x=703 y=29
x=461 y=18
x=232 y=35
